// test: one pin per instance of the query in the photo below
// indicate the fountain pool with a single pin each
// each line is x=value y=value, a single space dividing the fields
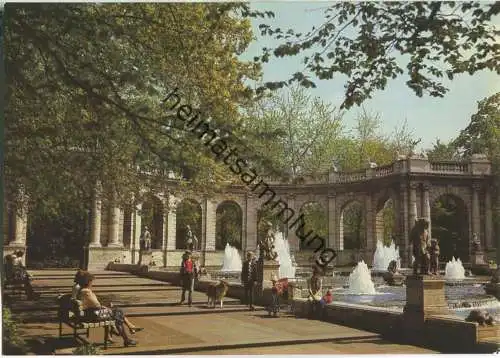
x=232 y=260
x=384 y=255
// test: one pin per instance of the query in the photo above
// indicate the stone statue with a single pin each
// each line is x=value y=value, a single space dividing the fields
x=476 y=244
x=481 y=317
x=434 y=256
x=266 y=245
x=419 y=237
x=191 y=240
x=392 y=276
x=145 y=240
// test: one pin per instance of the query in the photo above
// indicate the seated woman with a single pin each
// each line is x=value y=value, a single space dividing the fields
x=94 y=310
x=16 y=271
x=315 y=289
x=79 y=276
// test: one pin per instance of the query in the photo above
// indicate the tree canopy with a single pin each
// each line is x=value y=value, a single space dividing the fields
x=85 y=84
x=370 y=43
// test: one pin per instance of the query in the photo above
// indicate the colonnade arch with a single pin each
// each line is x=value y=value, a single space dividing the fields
x=188 y=212
x=450 y=225
x=352 y=203
x=316 y=220
x=229 y=225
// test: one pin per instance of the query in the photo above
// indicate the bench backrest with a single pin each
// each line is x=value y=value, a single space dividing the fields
x=69 y=305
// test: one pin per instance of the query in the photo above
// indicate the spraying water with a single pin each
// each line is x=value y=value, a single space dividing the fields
x=454 y=270
x=360 y=280
x=384 y=255
x=232 y=259
x=287 y=269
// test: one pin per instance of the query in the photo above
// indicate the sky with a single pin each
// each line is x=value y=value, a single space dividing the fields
x=428 y=118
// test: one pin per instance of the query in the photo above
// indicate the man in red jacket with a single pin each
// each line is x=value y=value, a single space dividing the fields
x=188 y=274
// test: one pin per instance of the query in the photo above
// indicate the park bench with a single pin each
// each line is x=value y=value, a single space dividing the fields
x=70 y=313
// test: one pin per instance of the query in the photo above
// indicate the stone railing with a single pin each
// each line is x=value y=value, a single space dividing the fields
x=450 y=167
x=477 y=165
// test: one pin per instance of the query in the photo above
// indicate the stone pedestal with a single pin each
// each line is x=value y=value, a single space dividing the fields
x=268 y=269
x=477 y=258
x=145 y=257
x=394 y=279
x=424 y=297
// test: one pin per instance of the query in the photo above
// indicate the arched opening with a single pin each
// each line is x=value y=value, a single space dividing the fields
x=449 y=220
x=385 y=222
x=188 y=213
x=56 y=240
x=315 y=219
x=228 y=225
x=352 y=227
x=152 y=217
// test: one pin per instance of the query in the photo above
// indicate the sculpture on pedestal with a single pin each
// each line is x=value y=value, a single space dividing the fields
x=191 y=239
x=145 y=240
x=419 y=237
x=476 y=244
x=266 y=245
x=392 y=276
x=434 y=256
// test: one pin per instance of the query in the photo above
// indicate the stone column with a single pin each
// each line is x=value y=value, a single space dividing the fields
x=114 y=226
x=488 y=220
x=164 y=231
x=369 y=222
x=95 y=223
x=413 y=204
x=20 y=220
x=332 y=225
x=405 y=230
x=171 y=224
x=476 y=219
x=209 y=222
x=293 y=240
x=426 y=206
x=251 y=227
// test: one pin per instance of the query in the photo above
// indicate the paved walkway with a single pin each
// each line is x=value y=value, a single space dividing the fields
x=174 y=329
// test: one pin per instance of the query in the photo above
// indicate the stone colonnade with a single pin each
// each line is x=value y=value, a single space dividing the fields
x=115 y=231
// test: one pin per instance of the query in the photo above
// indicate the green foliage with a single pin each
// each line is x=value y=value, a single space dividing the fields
x=449 y=226
x=373 y=42
x=443 y=151
x=293 y=134
x=354 y=228
x=87 y=350
x=85 y=84
x=316 y=219
x=389 y=217
x=12 y=341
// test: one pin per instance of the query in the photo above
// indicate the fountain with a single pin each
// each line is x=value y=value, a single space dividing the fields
x=232 y=259
x=454 y=270
x=384 y=255
x=287 y=269
x=360 y=281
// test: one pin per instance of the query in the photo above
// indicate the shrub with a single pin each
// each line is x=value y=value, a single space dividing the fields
x=12 y=341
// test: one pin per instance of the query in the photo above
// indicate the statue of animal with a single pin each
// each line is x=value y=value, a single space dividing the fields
x=481 y=317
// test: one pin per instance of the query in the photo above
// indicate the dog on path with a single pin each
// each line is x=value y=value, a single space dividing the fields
x=217 y=292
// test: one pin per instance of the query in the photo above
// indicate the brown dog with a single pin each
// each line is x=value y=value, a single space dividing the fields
x=217 y=292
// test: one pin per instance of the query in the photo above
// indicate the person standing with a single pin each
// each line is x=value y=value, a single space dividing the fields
x=249 y=278
x=188 y=275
